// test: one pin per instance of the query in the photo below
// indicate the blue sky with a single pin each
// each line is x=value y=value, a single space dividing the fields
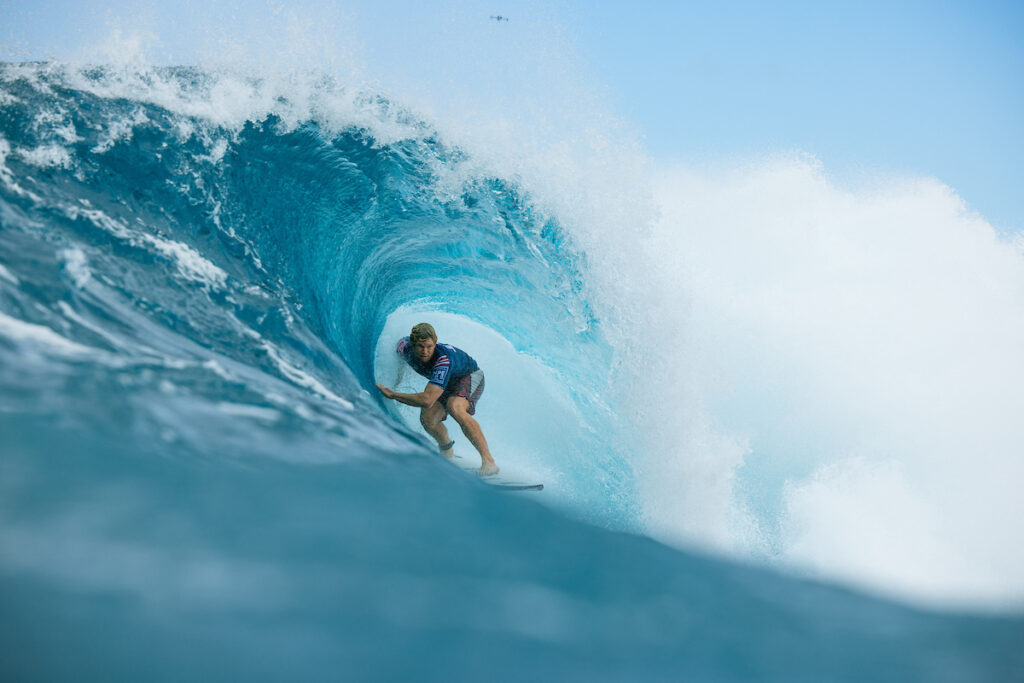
x=918 y=88
x=871 y=89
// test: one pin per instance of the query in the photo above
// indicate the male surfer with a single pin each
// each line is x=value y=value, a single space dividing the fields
x=455 y=383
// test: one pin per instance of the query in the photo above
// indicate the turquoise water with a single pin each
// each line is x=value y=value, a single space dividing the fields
x=199 y=481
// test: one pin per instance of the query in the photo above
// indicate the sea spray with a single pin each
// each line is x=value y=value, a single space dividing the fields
x=846 y=367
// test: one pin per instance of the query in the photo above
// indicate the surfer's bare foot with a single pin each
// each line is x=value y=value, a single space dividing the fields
x=487 y=469
x=448 y=451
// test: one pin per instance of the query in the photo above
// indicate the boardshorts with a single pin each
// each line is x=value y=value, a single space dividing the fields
x=469 y=387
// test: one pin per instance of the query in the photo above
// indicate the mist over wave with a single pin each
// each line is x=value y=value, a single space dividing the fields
x=847 y=376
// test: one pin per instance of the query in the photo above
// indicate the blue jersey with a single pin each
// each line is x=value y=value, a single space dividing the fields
x=447 y=363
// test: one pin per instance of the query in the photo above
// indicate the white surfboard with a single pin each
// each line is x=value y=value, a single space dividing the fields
x=505 y=481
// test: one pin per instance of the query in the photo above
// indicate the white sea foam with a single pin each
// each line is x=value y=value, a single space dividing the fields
x=303 y=379
x=77 y=266
x=217 y=369
x=46 y=156
x=852 y=354
x=55 y=123
x=7 y=176
x=6 y=274
x=42 y=337
x=190 y=264
x=119 y=131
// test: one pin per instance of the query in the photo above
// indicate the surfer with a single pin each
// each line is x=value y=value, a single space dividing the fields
x=455 y=384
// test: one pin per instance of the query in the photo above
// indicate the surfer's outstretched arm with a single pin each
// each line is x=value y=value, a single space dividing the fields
x=423 y=399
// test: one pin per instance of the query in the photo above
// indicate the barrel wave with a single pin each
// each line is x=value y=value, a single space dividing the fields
x=201 y=276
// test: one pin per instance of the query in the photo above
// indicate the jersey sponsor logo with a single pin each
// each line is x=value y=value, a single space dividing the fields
x=440 y=375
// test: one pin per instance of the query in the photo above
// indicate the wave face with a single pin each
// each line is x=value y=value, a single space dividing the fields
x=202 y=274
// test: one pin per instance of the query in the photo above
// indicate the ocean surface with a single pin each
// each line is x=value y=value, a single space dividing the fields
x=202 y=277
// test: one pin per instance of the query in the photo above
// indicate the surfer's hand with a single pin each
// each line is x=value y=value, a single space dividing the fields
x=387 y=392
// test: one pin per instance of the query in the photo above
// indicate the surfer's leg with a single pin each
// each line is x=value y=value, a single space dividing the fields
x=458 y=408
x=431 y=418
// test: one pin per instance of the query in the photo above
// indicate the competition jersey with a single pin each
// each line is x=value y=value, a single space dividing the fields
x=447 y=362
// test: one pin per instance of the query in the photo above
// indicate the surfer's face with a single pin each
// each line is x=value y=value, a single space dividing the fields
x=424 y=349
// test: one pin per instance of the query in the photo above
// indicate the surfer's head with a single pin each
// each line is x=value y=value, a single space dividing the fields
x=423 y=339
x=422 y=332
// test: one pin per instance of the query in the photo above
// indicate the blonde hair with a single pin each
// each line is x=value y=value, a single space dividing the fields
x=421 y=332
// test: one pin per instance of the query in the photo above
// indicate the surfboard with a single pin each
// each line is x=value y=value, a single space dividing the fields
x=514 y=487
x=501 y=481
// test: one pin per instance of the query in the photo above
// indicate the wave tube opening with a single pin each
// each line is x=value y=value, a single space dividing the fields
x=535 y=428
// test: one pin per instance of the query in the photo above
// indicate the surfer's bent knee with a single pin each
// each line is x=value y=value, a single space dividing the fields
x=431 y=415
x=459 y=411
